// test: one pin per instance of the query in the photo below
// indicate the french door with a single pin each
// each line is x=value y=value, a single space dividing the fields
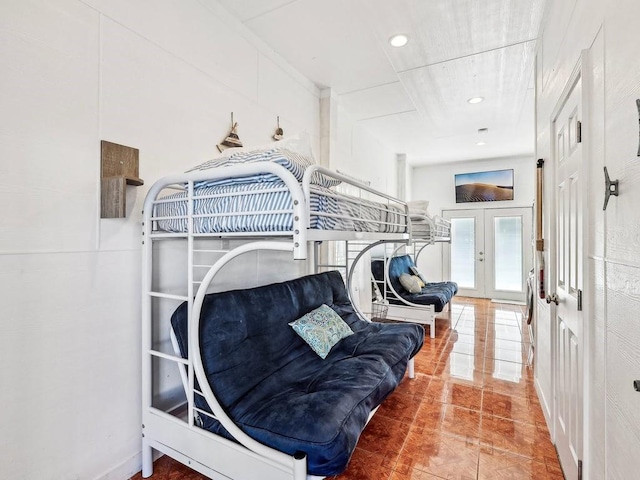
x=490 y=254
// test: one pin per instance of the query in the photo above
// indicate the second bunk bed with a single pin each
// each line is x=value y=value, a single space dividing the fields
x=402 y=290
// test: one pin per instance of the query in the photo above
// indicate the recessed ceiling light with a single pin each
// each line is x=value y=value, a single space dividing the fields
x=475 y=100
x=481 y=143
x=399 y=40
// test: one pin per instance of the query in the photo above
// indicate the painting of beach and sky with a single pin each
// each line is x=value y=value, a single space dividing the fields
x=484 y=186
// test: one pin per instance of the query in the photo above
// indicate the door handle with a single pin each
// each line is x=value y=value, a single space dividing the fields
x=553 y=298
x=481 y=259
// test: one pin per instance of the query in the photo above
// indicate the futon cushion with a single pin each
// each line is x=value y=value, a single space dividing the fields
x=278 y=390
x=437 y=294
x=321 y=328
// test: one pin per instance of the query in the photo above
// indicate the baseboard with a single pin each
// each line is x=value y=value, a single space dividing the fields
x=128 y=468
x=546 y=408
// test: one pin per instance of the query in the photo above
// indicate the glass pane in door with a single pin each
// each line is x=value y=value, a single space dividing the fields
x=463 y=248
x=508 y=254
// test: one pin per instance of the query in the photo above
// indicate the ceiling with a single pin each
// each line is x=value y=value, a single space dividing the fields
x=415 y=97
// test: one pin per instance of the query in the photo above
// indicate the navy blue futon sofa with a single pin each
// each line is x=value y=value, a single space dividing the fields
x=437 y=294
x=276 y=388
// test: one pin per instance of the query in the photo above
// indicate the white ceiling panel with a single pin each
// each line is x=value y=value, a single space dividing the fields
x=245 y=10
x=422 y=148
x=328 y=42
x=441 y=30
x=378 y=101
x=415 y=98
x=440 y=92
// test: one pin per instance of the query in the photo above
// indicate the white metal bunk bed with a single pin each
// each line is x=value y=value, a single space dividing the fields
x=426 y=230
x=194 y=259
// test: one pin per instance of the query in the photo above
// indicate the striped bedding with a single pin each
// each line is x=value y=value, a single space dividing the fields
x=240 y=207
x=421 y=230
x=240 y=204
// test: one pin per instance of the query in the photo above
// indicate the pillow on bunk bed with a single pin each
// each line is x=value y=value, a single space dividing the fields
x=321 y=328
x=292 y=155
x=410 y=283
x=415 y=272
x=418 y=207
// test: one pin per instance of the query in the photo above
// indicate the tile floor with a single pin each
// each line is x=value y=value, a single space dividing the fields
x=470 y=413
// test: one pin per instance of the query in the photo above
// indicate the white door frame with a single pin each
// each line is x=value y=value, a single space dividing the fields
x=485 y=258
x=552 y=274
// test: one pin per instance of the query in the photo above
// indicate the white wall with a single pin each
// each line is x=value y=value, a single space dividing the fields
x=612 y=288
x=361 y=154
x=435 y=183
x=161 y=76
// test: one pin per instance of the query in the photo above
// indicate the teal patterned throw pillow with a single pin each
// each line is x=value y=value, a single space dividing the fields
x=321 y=328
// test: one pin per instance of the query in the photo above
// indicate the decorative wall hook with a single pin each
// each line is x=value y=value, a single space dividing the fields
x=611 y=188
x=232 y=140
x=279 y=132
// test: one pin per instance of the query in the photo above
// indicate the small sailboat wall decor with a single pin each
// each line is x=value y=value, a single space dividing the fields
x=232 y=140
x=279 y=135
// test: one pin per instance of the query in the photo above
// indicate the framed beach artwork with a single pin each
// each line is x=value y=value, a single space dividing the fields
x=492 y=186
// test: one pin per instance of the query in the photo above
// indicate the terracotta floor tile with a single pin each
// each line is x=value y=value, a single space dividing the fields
x=400 y=406
x=430 y=352
x=500 y=465
x=437 y=454
x=468 y=338
x=414 y=475
x=449 y=419
x=182 y=472
x=509 y=353
x=366 y=466
x=384 y=436
x=461 y=368
x=515 y=437
x=425 y=367
x=467 y=349
x=430 y=414
x=519 y=409
x=507 y=344
x=466 y=396
x=504 y=332
x=461 y=422
x=508 y=378
x=503 y=316
x=415 y=386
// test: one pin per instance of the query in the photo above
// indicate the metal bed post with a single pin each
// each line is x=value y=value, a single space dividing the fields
x=299 y=464
x=147 y=246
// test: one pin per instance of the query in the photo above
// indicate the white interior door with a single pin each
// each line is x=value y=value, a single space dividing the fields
x=490 y=253
x=566 y=299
